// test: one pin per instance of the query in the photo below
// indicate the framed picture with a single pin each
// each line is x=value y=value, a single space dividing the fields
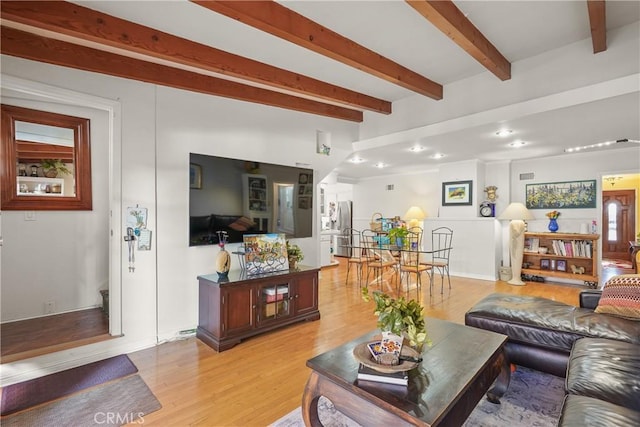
x=195 y=176
x=303 y=178
x=545 y=264
x=457 y=193
x=301 y=189
x=561 y=265
x=304 y=202
x=565 y=195
x=265 y=253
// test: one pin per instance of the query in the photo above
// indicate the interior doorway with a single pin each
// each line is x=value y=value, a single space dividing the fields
x=618 y=223
x=65 y=320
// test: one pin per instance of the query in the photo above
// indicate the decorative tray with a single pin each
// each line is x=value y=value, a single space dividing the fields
x=363 y=355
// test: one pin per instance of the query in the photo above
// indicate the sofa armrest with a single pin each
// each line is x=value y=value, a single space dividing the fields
x=589 y=299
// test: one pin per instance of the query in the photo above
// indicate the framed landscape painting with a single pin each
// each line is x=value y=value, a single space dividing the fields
x=457 y=193
x=566 y=195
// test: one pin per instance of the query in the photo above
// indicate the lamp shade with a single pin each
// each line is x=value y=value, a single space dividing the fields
x=516 y=211
x=416 y=213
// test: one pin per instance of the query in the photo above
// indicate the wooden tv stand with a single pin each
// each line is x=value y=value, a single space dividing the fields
x=242 y=306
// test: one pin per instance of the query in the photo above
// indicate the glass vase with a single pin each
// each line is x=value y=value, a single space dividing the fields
x=553 y=225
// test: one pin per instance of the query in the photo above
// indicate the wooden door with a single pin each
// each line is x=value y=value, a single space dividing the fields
x=618 y=223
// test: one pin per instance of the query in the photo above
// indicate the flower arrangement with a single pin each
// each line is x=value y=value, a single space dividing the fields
x=553 y=214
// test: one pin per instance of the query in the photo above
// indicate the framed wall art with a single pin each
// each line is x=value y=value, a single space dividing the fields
x=565 y=195
x=195 y=176
x=457 y=193
x=561 y=265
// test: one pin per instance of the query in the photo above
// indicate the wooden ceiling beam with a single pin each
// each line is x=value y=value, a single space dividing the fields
x=81 y=22
x=451 y=21
x=37 y=48
x=282 y=22
x=598 y=23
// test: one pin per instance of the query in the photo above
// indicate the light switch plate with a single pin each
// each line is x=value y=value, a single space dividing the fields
x=30 y=215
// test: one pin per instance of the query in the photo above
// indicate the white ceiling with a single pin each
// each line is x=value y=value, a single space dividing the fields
x=518 y=29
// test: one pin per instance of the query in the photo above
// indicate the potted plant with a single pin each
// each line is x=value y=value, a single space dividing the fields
x=294 y=253
x=52 y=167
x=397 y=235
x=400 y=316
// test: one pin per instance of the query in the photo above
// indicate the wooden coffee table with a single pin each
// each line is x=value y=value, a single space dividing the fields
x=456 y=372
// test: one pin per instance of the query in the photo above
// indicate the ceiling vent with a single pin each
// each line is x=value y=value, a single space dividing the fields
x=526 y=176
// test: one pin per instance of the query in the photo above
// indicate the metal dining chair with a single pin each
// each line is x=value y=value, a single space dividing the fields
x=410 y=264
x=380 y=261
x=438 y=257
x=355 y=251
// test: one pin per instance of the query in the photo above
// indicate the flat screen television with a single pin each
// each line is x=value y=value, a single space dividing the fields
x=240 y=196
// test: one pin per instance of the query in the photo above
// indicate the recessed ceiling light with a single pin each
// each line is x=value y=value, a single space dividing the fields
x=417 y=148
x=517 y=144
x=504 y=132
x=380 y=165
x=357 y=159
x=437 y=156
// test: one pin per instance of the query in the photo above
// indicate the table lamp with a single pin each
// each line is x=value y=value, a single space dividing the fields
x=414 y=216
x=517 y=213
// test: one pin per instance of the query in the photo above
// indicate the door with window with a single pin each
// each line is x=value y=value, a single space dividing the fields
x=618 y=223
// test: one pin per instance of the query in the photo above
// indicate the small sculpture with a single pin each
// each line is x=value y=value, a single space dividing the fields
x=491 y=193
x=223 y=259
x=576 y=270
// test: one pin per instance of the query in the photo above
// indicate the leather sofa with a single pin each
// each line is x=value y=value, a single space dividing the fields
x=542 y=331
x=599 y=354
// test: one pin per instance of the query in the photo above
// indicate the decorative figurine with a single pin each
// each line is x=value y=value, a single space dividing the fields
x=223 y=259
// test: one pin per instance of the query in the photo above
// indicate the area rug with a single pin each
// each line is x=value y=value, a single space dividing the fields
x=533 y=399
x=17 y=397
x=616 y=263
x=124 y=401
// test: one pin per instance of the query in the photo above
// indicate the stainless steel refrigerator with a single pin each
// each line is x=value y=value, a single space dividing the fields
x=343 y=223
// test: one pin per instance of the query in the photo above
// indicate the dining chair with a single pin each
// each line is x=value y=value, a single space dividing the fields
x=415 y=237
x=410 y=265
x=438 y=257
x=355 y=251
x=379 y=259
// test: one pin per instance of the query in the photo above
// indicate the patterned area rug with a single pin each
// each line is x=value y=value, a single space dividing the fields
x=123 y=401
x=533 y=399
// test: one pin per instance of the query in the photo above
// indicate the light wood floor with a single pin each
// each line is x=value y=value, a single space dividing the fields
x=47 y=334
x=262 y=379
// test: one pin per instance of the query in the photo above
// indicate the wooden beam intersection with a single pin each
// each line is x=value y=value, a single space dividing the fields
x=87 y=24
x=30 y=46
x=446 y=16
x=282 y=22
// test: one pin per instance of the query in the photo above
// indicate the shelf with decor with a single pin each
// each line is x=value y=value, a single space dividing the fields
x=40 y=186
x=570 y=256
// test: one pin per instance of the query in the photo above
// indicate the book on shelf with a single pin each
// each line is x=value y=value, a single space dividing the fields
x=369 y=374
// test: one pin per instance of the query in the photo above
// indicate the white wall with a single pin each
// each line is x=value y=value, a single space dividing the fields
x=188 y=122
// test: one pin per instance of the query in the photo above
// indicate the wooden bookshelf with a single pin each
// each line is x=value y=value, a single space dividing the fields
x=569 y=256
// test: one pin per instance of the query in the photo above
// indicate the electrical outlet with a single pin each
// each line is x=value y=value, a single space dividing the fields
x=49 y=307
x=30 y=215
